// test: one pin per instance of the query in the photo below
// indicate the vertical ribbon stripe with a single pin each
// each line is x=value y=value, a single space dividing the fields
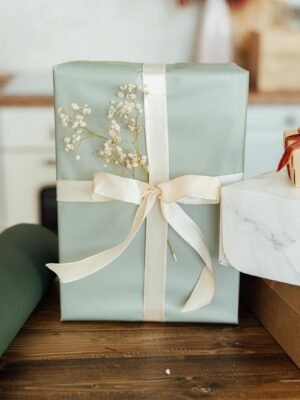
x=156 y=130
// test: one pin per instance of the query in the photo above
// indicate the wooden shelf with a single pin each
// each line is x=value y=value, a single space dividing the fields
x=274 y=98
x=26 y=101
x=47 y=101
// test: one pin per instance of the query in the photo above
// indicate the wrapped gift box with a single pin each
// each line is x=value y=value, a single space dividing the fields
x=277 y=306
x=193 y=121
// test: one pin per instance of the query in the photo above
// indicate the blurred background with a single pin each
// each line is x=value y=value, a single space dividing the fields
x=260 y=35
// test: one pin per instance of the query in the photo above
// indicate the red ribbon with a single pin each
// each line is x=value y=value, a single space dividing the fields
x=289 y=149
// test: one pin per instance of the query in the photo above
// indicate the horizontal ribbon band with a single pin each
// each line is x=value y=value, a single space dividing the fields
x=189 y=189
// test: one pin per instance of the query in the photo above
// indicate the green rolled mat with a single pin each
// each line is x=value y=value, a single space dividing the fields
x=24 y=251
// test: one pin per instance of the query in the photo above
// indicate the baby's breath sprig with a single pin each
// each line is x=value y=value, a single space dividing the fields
x=120 y=144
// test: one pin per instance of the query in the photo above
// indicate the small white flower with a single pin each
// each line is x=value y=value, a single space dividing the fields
x=86 y=111
x=122 y=115
x=75 y=107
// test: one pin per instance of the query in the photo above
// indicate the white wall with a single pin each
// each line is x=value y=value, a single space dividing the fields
x=35 y=34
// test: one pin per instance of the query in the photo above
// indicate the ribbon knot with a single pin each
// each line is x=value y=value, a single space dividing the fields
x=188 y=189
x=156 y=190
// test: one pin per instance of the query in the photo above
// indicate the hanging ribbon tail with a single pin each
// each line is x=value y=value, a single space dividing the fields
x=202 y=293
x=204 y=289
x=285 y=159
x=73 y=271
x=288 y=153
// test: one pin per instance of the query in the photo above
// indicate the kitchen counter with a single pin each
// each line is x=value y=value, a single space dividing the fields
x=35 y=90
x=27 y=90
x=34 y=100
x=274 y=98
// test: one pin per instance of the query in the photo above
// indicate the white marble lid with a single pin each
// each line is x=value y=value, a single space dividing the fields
x=261 y=227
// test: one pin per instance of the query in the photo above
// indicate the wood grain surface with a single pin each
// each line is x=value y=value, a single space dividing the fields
x=25 y=101
x=57 y=360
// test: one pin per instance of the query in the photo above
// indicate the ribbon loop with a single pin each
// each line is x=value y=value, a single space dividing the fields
x=191 y=189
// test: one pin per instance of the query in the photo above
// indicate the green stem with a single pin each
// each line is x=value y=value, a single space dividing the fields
x=172 y=250
x=92 y=133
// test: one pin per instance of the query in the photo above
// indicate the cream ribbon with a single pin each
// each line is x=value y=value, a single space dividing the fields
x=157 y=143
x=188 y=189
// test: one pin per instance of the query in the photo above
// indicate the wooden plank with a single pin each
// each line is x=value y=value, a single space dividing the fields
x=221 y=377
x=57 y=360
x=128 y=342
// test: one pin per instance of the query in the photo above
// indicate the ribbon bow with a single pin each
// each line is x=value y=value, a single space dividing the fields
x=289 y=150
x=188 y=189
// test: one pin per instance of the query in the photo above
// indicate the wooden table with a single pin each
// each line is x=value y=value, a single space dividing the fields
x=63 y=361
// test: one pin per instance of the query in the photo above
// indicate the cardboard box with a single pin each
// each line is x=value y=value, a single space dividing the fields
x=273 y=57
x=277 y=306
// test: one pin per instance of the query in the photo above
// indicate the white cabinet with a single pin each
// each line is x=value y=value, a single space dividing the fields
x=27 y=156
x=264 y=138
x=27 y=159
x=29 y=127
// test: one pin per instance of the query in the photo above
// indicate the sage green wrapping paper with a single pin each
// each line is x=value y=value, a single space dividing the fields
x=24 y=251
x=206 y=120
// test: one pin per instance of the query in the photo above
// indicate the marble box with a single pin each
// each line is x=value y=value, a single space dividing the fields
x=261 y=227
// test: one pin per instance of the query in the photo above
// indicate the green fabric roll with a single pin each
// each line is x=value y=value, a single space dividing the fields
x=24 y=251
